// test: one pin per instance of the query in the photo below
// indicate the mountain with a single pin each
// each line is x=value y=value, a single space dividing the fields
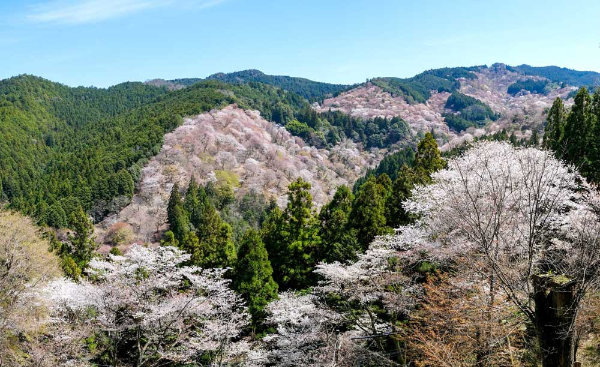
x=235 y=149
x=64 y=148
x=560 y=75
x=311 y=90
x=485 y=89
x=67 y=147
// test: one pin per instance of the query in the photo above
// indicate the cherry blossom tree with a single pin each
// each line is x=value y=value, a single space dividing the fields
x=153 y=310
x=533 y=222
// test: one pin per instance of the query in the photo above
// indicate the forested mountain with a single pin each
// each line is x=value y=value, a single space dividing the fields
x=425 y=102
x=561 y=75
x=418 y=88
x=243 y=225
x=311 y=90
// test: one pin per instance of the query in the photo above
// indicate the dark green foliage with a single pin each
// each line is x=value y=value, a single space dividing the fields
x=533 y=86
x=77 y=252
x=339 y=240
x=292 y=240
x=378 y=132
x=418 y=88
x=428 y=158
x=368 y=212
x=469 y=112
x=555 y=125
x=311 y=90
x=412 y=170
x=253 y=275
x=574 y=136
x=196 y=227
x=390 y=165
x=403 y=185
x=560 y=75
x=578 y=131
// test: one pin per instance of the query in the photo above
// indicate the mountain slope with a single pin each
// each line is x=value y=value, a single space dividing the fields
x=520 y=113
x=309 y=89
x=560 y=75
x=68 y=147
x=237 y=148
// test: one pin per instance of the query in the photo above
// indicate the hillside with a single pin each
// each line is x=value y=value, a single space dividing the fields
x=520 y=112
x=239 y=148
x=561 y=75
x=65 y=148
x=311 y=90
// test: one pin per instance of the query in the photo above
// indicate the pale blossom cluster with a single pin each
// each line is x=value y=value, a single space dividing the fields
x=169 y=311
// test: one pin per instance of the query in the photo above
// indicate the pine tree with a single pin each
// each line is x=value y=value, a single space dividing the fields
x=555 y=126
x=253 y=278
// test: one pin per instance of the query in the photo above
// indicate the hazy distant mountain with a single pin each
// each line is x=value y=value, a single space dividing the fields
x=560 y=75
x=311 y=90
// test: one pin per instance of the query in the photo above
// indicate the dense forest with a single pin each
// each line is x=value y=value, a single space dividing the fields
x=533 y=86
x=467 y=112
x=560 y=75
x=487 y=254
x=418 y=88
x=311 y=90
x=67 y=148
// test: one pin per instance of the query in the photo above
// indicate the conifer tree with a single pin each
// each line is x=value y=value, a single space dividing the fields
x=292 y=239
x=254 y=275
x=594 y=143
x=555 y=126
x=428 y=158
x=406 y=181
x=577 y=131
x=338 y=239
x=368 y=212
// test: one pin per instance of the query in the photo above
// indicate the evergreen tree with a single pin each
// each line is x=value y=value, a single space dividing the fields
x=368 y=212
x=594 y=143
x=254 y=276
x=406 y=181
x=555 y=126
x=338 y=239
x=80 y=249
x=578 y=130
x=534 y=140
x=428 y=158
x=292 y=239
x=174 y=201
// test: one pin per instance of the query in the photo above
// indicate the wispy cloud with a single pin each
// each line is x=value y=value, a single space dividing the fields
x=94 y=11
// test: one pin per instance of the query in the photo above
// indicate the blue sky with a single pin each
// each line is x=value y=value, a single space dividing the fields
x=105 y=42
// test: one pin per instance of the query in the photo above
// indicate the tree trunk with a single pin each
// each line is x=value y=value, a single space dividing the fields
x=555 y=311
